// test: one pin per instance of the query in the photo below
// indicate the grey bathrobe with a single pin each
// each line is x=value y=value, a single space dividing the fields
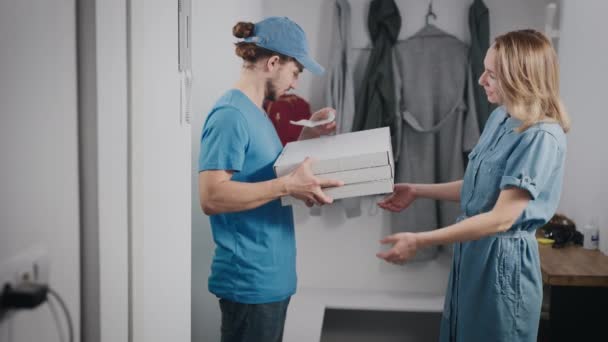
x=439 y=124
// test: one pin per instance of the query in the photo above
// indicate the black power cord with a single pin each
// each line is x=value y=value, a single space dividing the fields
x=28 y=295
x=57 y=297
x=25 y=296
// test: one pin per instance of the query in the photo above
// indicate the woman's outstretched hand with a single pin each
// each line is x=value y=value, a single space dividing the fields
x=403 y=195
x=404 y=247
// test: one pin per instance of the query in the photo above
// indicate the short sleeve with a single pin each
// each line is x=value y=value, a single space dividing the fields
x=532 y=163
x=224 y=141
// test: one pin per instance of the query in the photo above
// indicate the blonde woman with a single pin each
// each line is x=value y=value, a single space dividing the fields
x=511 y=187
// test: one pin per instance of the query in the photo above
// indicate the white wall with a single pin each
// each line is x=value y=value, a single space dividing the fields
x=215 y=69
x=160 y=177
x=112 y=119
x=39 y=153
x=584 y=70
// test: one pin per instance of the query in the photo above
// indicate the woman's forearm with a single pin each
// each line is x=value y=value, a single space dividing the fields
x=473 y=228
x=443 y=191
x=509 y=207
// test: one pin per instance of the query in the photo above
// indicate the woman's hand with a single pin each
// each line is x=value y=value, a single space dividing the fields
x=315 y=132
x=403 y=195
x=404 y=247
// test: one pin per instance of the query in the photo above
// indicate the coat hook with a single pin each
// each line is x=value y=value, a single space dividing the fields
x=430 y=12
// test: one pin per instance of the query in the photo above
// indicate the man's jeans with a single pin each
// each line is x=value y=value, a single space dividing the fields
x=253 y=322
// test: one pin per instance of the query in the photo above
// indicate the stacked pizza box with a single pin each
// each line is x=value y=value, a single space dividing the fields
x=362 y=160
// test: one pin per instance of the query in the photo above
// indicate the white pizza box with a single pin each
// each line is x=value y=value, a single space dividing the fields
x=362 y=160
x=383 y=186
x=343 y=152
x=367 y=174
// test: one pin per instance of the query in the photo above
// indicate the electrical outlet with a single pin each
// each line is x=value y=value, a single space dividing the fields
x=30 y=265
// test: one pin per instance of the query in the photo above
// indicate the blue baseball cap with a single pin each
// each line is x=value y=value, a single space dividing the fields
x=282 y=35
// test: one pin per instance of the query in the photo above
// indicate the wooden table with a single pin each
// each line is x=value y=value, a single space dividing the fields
x=573 y=266
x=578 y=288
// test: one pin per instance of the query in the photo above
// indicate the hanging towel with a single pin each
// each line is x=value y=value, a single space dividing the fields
x=479 y=26
x=340 y=94
x=375 y=102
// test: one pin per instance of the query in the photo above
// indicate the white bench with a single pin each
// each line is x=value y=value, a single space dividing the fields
x=307 y=308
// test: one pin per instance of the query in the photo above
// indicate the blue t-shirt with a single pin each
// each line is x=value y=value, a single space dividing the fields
x=255 y=253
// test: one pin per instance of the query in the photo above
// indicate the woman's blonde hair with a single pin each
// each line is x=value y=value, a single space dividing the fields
x=528 y=78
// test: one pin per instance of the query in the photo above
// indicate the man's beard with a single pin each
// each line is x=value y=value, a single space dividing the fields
x=270 y=93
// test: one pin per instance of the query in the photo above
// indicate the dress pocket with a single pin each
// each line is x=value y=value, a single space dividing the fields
x=509 y=268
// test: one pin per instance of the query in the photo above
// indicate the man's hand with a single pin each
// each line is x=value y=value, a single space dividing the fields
x=404 y=247
x=315 y=132
x=303 y=185
x=403 y=195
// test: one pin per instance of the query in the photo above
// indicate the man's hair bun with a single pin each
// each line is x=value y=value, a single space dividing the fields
x=243 y=29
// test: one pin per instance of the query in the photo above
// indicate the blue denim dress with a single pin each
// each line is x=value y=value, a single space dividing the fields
x=495 y=286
